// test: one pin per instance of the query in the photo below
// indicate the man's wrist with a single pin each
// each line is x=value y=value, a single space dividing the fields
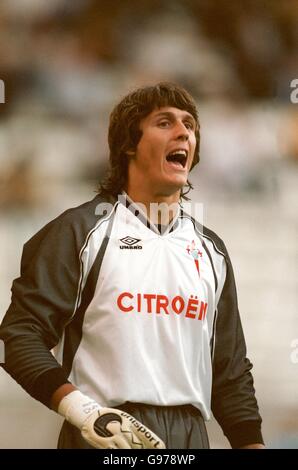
x=253 y=446
x=60 y=393
x=77 y=407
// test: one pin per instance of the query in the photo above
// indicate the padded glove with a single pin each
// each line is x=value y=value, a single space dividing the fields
x=106 y=428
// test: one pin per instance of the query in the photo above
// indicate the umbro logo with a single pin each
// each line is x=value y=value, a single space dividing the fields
x=130 y=243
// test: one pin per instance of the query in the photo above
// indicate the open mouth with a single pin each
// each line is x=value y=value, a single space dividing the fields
x=177 y=158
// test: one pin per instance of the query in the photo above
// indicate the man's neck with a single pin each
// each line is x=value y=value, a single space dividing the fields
x=160 y=209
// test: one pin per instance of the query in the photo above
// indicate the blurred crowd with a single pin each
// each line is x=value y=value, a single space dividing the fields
x=66 y=63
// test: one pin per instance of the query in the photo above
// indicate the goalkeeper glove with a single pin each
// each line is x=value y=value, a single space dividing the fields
x=106 y=428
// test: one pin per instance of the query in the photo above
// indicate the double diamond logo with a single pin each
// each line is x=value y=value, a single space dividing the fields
x=130 y=243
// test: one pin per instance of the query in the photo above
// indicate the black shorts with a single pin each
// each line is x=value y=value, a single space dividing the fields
x=180 y=427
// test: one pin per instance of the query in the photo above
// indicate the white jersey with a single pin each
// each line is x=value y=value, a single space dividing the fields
x=147 y=331
x=135 y=315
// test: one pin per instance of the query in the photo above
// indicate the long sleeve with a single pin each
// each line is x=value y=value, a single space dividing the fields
x=233 y=396
x=44 y=300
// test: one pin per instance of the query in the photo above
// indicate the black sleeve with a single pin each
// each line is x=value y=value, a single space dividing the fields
x=43 y=300
x=233 y=399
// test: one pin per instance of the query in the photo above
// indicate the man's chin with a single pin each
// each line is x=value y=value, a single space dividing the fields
x=170 y=188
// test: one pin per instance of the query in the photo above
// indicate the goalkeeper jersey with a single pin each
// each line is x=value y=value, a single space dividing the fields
x=132 y=314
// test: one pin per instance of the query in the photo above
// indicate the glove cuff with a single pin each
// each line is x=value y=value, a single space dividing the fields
x=77 y=407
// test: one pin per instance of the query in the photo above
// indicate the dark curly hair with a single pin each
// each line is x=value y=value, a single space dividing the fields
x=125 y=134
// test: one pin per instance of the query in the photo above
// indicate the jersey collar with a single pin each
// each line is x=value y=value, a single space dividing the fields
x=138 y=212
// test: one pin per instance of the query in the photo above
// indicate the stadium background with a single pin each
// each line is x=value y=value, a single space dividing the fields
x=66 y=63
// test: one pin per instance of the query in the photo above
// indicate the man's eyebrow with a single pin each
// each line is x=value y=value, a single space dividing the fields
x=169 y=114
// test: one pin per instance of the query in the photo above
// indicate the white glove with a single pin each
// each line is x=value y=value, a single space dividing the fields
x=106 y=428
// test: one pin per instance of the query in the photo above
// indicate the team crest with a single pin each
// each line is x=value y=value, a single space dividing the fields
x=195 y=253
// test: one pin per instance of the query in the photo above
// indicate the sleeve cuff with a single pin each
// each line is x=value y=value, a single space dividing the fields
x=245 y=433
x=47 y=383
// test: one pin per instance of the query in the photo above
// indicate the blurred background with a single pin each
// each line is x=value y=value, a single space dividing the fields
x=65 y=64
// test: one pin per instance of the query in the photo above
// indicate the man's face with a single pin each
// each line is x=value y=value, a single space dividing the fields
x=165 y=151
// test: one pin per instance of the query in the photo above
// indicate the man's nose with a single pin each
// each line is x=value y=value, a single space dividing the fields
x=181 y=131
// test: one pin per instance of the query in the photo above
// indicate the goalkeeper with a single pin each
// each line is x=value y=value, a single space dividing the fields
x=137 y=300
